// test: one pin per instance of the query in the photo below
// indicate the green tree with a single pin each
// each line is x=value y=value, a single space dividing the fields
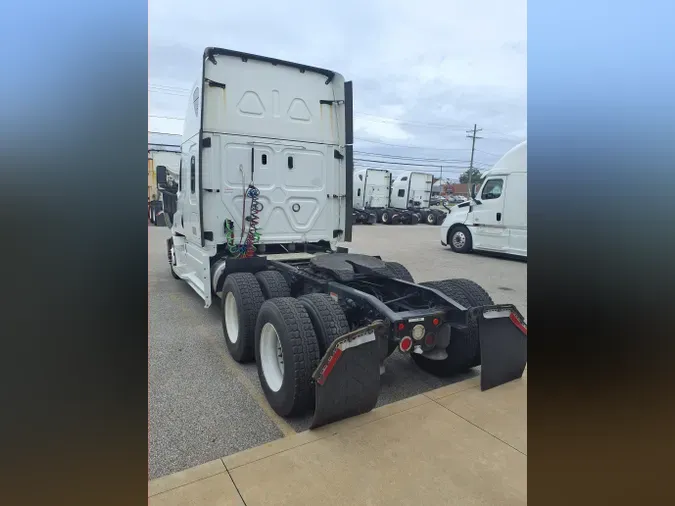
x=475 y=176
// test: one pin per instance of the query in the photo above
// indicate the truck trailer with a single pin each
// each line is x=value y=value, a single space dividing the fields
x=264 y=197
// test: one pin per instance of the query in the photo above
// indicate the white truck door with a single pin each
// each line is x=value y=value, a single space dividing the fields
x=487 y=218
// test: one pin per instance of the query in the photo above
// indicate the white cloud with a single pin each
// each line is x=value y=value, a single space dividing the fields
x=454 y=63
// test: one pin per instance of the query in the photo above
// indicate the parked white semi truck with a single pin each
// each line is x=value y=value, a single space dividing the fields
x=371 y=194
x=411 y=191
x=495 y=218
x=378 y=194
x=264 y=196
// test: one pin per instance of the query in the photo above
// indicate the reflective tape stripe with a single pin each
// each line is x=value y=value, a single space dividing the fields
x=345 y=345
x=518 y=323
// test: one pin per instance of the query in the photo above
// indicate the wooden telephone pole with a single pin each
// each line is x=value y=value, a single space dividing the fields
x=472 y=135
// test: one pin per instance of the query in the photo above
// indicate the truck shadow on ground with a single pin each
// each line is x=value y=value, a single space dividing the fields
x=490 y=254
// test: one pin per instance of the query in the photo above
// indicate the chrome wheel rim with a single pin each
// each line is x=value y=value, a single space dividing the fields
x=231 y=318
x=458 y=240
x=271 y=357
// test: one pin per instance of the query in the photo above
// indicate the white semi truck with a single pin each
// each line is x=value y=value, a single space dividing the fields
x=495 y=218
x=412 y=191
x=264 y=196
x=371 y=194
x=381 y=197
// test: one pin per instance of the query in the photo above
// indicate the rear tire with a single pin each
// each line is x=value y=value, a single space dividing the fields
x=477 y=296
x=273 y=284
x=385 y=217
x=242 y=299
x=459 y=239
x=399 y=271
x=288 y=388
x=463 y=347
x=431 y=218
x=473 y=291
x=328 y=319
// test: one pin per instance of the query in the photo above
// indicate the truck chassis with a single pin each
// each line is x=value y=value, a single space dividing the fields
x=394 y=216
x=320 y=325
x=432 y=216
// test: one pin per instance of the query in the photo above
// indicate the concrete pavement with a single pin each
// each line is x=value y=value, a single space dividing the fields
x=203 y=405
x=451 y=445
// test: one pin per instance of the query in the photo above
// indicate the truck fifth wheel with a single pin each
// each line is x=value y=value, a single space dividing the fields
x=264 y=196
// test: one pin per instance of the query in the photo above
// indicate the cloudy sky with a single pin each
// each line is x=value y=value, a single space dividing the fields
x=424 y=71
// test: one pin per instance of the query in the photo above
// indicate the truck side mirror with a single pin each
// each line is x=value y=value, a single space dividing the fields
x=473 y=191
x=161 y=175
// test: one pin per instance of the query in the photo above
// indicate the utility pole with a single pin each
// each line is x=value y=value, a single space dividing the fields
x=472 y=136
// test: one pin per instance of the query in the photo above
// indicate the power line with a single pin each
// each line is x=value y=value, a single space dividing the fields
x=486 y=152
x=401 y=157
x=410 y=146
x=430 y=170
x=387 y=162
x=384 y=119
x=407 y=146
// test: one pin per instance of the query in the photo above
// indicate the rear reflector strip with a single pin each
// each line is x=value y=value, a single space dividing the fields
x=329 y=366
x=345 y=345
x=518 y=323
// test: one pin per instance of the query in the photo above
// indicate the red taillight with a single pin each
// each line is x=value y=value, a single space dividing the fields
x=401 y=326
x=435 y=321
x=521 y=326
x=406 y=343
x=430 y=339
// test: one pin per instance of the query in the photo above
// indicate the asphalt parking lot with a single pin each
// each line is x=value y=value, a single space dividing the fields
x=203 y=405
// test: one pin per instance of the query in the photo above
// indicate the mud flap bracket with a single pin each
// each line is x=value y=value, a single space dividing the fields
x=503 y=343
x=347 y=379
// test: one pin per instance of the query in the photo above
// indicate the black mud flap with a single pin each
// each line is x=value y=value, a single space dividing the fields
x=347 y=380
x=503 y=343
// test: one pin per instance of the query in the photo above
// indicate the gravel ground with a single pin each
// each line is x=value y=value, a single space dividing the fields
x=203 y=405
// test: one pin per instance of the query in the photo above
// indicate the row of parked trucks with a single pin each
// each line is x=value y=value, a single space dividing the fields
x=379 y=197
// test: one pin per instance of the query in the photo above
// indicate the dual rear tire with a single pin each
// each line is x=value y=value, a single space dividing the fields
x=291 y=336
x=286 y=336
